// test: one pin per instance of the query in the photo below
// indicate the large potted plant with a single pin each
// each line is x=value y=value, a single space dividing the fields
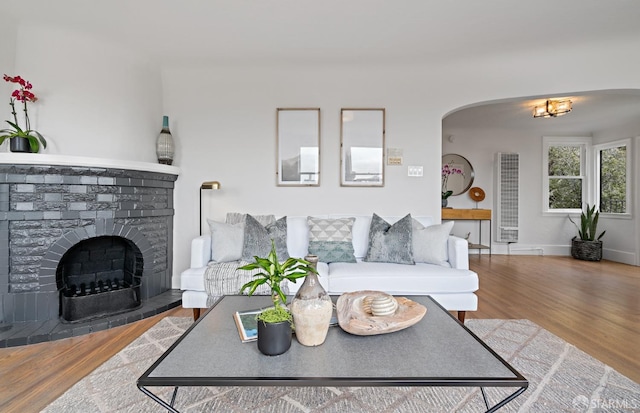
x=587 y=247
x=275 y=323
x=21 y=139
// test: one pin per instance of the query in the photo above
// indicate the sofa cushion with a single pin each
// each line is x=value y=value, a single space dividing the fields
x=390 y=243
x=227 y=241
x=330 y=239
x=297 y=236
x=257 y=239
x=430 y=243
x=409 y=279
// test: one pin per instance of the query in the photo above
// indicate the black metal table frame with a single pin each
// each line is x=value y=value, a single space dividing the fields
x=145 y=381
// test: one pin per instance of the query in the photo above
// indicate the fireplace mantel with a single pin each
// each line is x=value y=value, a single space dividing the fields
x=81 y=161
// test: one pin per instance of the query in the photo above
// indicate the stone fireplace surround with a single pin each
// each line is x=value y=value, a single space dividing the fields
x=50 y=203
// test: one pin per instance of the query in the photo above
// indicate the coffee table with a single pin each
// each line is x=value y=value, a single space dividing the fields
x=437 y=351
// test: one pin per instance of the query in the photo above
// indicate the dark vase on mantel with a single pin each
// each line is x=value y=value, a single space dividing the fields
x=19 y=144
x=164 y=144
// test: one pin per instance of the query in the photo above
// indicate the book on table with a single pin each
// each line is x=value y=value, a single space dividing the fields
x=247 y=324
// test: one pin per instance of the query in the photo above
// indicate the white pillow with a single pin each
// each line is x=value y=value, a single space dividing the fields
x=430 y=243
x=227 y=241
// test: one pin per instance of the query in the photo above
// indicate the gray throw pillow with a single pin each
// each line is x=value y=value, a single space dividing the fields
x=226 y=241
x=239 y=218
x=390 y=243
x=257 y=239
x=331 y=239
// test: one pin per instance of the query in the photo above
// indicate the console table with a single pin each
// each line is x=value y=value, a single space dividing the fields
x=475 y=214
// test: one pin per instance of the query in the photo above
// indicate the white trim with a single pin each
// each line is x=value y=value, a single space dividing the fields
x=62 y=160
x=586 y=170
x=596 y=149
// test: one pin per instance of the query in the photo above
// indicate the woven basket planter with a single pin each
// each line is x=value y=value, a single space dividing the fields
x=586 y=250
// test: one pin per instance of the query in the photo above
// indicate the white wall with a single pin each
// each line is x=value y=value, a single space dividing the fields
x=226 y=131
x=223 y=117
x=8 y=32
x=96 y=98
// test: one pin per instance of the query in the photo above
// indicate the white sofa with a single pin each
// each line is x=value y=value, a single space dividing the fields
x=452 y=285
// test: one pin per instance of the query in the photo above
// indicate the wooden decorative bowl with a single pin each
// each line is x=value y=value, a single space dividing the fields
x=353 y=318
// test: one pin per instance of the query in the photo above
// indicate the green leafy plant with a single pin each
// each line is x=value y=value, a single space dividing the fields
x=272 y=274
x=588 y=224
x=22 y=94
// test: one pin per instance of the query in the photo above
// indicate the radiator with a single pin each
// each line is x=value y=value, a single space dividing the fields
x=507 y=194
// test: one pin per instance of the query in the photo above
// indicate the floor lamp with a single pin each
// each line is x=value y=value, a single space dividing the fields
x=206 y=185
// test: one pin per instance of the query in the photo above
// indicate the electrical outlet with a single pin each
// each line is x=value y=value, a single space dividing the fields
x=415 y=171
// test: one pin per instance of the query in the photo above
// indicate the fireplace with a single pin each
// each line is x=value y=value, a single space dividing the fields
x=99 y=276
x=82 y=238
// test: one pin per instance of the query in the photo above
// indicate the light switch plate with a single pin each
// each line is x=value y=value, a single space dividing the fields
x=394 y=160
x=415 y=171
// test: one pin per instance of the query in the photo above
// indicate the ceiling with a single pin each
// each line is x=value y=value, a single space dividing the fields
x=591 y=112
x=357 y=31
x=312 y=31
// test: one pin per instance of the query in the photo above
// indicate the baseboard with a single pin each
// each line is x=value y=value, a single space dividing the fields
x=530 y=249
x=623 y=257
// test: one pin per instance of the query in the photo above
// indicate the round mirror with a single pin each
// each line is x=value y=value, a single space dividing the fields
x=457 y=174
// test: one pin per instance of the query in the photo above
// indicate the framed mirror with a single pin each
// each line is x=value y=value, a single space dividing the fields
x=457 y=174
x=298 y=142
x=362 y=147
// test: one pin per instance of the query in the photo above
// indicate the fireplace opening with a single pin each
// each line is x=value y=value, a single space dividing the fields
x=99 y=277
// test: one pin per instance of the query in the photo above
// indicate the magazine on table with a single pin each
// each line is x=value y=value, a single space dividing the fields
x=248 y=324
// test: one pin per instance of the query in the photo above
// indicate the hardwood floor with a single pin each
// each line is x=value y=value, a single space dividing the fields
x=593 y=305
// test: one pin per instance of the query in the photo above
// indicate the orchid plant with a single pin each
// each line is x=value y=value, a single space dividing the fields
x=23 y=95
x=448 y=170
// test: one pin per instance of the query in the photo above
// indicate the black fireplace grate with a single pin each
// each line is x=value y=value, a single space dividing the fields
x=83 y=303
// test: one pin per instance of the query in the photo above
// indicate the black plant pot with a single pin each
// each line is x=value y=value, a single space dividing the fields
x=19 y=145
x=586 y=250
x=274 y=338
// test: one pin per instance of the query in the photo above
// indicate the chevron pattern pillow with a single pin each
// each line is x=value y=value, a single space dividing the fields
x=331 y=239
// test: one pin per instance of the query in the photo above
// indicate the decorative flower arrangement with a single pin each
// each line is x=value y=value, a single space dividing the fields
x=22 y=94
x=447 y=171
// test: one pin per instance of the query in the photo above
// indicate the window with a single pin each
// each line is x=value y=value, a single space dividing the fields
x=613 y=177
x=565 y=178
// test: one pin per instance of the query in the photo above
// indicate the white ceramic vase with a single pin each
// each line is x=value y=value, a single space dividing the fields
x=311 y=309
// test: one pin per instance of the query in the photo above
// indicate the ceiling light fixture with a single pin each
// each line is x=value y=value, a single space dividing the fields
x=552 y=109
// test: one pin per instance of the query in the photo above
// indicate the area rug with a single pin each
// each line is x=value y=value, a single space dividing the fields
x=561 y=379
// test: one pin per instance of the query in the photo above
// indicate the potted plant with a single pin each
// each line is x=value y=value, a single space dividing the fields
x=275 y=323
x=587 y=247
x=21 y=140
